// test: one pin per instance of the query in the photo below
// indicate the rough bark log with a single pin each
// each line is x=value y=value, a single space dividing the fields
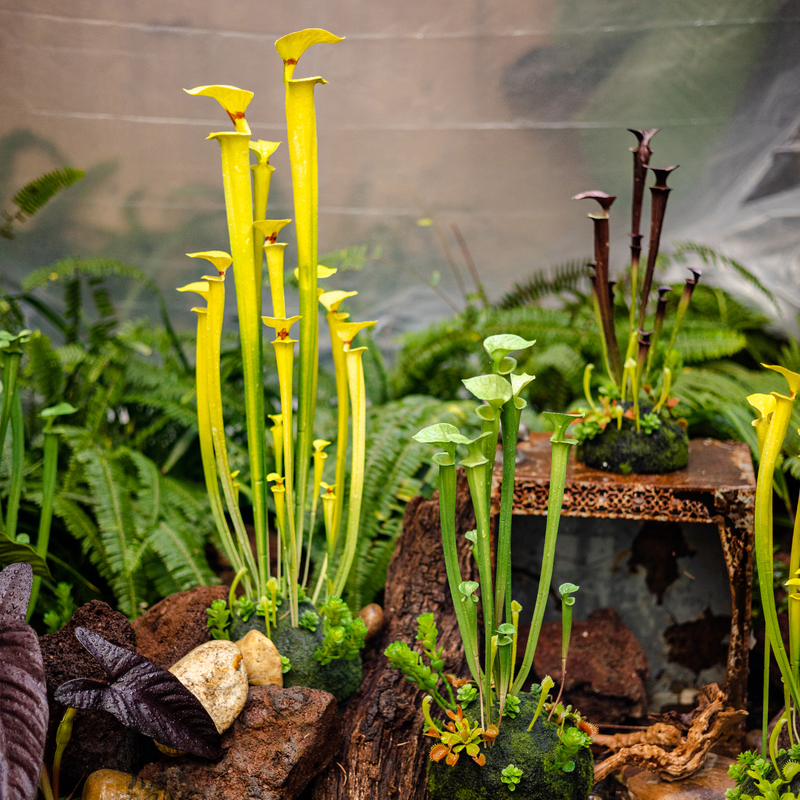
x=384 y=754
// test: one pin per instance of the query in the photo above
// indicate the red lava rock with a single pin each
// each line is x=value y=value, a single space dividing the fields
x=607 y=671
x=98 y=739
x=166 y=632
x=282 y=739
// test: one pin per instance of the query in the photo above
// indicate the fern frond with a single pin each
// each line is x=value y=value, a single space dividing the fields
x=111 y=503
x=695 y=343
x=44 y=367
x=710 y=256
x=34 y=195
x=569 y=276
x=181 y=551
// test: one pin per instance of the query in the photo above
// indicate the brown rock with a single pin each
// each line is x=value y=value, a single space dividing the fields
x=98 y=739
x=166 y=632
x=607 y=670
x=373 y=619
x=109 y=784
x=282 y=739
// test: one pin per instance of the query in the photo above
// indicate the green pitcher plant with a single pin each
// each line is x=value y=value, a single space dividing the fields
x=494 y=678
x=288 y=444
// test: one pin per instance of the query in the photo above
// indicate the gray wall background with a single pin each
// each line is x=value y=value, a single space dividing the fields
x=485 y=113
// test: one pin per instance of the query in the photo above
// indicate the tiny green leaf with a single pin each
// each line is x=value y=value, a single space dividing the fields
x=499 y=346
x=491 y=389
x=519 y=382
x=57 y=410
x=440 y=433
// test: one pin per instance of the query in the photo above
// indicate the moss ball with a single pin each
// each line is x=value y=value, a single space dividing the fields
x=627 y=450
x=341 y=678
x=533 y=752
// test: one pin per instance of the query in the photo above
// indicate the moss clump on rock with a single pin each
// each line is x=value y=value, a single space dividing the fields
x=341 y=677
x=533 y=752
x=627 y=451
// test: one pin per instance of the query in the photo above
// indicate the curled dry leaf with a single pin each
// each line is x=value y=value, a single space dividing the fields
x=23 y=696
x=142 y=696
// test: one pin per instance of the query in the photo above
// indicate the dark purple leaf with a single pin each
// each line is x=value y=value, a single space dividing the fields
x=23 y=697
x=15 y=589
x=144 y=697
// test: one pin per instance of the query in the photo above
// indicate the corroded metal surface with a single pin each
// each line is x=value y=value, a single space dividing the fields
x=717 y=488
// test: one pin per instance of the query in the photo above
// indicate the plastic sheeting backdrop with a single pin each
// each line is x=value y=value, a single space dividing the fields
x=490 y=115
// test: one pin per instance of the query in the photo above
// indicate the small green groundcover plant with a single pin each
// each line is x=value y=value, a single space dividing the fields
x=773 y=775
x=628 y=372
x=489 y=717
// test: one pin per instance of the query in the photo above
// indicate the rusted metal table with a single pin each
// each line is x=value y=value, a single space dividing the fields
x=717 y=488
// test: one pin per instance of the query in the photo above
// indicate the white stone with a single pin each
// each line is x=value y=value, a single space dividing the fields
x=215 y=674
x=262 y=661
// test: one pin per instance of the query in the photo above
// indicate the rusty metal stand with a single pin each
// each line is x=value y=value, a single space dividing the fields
x=717 y=488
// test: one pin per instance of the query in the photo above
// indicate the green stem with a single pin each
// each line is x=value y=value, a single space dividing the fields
x=794 y=599
x=476 y=475
x=502 y=598
x=558 y=475
x=63 y=735
x=765 y=695
x=10 y=372
x=50 y=471
x=358 y=402
x=17 y=466
x=447 y=519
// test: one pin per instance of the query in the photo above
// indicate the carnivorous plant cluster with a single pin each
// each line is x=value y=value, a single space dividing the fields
x=628 y=371
x=494 y=679
x=253 y=238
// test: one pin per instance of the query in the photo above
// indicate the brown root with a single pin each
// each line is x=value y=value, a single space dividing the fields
x=709 y=723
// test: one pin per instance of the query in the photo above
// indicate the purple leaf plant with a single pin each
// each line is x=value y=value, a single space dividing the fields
x=23 y=695
x=142 y=696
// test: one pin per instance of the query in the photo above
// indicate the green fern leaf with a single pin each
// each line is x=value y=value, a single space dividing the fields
x=34 y=195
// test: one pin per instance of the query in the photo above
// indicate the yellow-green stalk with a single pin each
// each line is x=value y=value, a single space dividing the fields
x=235 y=149
x=358 y=402
x=302 y=140
x=279 y=496
x=284 y=357
x=319 y=467
x=204 y=429
x=334 y=317
x=277 y=440
x=214 y=318
x=268 y=230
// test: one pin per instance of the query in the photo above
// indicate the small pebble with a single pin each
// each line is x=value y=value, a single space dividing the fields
x=373 y=619
x=262 y=661
x=214 y=673
x=108 y=784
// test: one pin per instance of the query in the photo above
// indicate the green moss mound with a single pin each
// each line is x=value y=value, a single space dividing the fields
x=627 y=451
x=341 y=678
x=533 y=752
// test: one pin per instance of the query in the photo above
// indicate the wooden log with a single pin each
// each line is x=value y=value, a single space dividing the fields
x=384 y=754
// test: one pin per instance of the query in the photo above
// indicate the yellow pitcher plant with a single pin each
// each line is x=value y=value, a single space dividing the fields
x=235 y=147
x=775 y=412
x=301 y=125
x=254 y=238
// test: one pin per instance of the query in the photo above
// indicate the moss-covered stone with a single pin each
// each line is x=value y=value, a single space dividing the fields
x=533 y=752
x=341 y=678
x=627 y=451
